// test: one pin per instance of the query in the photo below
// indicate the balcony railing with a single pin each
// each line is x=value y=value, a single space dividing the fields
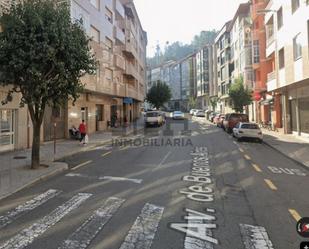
x=271 y=76
x=119 y=62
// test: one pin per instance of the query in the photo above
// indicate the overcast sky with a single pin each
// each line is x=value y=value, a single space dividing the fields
x=180 y=20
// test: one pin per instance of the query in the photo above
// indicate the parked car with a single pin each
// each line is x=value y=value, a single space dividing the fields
x=154 y=118
x=232 y=119
x=178 y=115
x=192 y=111
x=220 y=120
x=200 y=113
x=211 y=116
x=216 y=118
x=247 y=130
x=196 y=111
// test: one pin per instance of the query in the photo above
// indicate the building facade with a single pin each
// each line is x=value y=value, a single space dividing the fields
x=287 y=49
x=118 y=87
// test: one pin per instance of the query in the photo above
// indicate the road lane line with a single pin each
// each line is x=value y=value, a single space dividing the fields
x=295 y=214
x=255 y=237
x=27 y=207
x=247 y=157
x=114 y=178
x=81 y=165
x=241 y=150
x=164 y=159
x=256 y=167
x=270 y=184
x=83 y=236
x=105 y=154
x=144 y=228
x=27 y=236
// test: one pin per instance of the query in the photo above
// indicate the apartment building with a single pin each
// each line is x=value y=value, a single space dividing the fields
x=241 y=50
x=225 y=67
x=118 y=87
x=261 y=65
x=287 y=41
x=204 y=76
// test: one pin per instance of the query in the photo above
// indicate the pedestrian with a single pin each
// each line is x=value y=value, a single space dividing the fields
x=82 y=129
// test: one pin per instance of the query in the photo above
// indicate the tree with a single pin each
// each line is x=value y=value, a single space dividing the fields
x=192 y=102
x=159 y=94
x=240 y=95
x=213 y=102
x=43 y=56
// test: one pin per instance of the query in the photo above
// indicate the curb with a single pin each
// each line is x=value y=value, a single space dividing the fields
x=287 y=156
x=38 y=179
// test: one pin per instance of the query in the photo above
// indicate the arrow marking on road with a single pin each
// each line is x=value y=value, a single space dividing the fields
x=26 y=236
x=27 y=207
x=83 y=236
x=144 y=228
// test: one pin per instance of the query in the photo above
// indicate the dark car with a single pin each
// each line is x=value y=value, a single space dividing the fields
x=232 y=119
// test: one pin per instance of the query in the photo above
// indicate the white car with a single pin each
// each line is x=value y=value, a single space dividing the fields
x=154 y=118
x=178 y=115
x=196 y=111
x=200 y=113
x=192 y=111
x=247 y=130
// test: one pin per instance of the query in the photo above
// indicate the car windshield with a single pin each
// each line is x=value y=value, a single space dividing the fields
x=177 y=112
x=152 y=114
x=249 y=126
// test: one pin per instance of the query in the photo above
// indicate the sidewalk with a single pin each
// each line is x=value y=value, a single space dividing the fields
x=289 y=145
x=15 y=172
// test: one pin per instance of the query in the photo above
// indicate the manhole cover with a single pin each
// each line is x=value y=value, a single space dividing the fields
x=19 y=157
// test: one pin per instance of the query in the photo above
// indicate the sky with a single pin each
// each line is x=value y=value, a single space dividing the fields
x=179 y=20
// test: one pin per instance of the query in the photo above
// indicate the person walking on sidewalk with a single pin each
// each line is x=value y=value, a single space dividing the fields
x=83 y=131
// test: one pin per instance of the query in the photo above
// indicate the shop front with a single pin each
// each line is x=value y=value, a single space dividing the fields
x=7 y=129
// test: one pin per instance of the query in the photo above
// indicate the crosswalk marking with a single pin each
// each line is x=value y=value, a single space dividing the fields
x=83 y=236
x=144 y=228
x=26 y=236
x=27 y=207
x=255 y=237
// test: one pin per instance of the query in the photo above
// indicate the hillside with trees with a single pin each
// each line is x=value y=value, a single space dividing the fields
x=178 y=50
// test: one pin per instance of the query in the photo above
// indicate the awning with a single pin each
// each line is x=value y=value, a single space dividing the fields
x=267 y=102
x=127 y=100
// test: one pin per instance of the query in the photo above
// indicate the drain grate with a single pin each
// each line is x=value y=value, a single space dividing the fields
x=19 y=157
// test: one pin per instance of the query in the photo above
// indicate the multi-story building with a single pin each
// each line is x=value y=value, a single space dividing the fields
x=204 y=76
x=287 y=38
x=225 y=67
x=241 y=49
x=261 y=66
x=118 y=87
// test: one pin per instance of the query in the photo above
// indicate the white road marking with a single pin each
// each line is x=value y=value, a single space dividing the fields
x=144 y=228
x=162 y=161
x=27 y=207
x=83 y=236
x=255 y=237
x=286 y=171
x=81 y=165
x=26 y=236
x=114 y=178
x=111 y=178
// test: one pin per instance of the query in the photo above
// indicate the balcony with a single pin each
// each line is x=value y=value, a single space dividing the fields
x=271 y=81
x=119 y=90
x=119 y=62
x=107 y=57
x=119 y=10
x=119 y=36
x=129 y=50
x=130 y=71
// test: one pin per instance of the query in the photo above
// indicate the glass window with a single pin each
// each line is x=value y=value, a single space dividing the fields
x=281 y=58
x=95 y=3
x=109 y=43
x=304 y=115
x=108 y=15
x=95 y=34
x=256 y=51
x=297 y=48
x=295 y=5
x=280 y=18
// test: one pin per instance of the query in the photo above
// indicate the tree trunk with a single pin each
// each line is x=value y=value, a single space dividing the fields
x=35 y=156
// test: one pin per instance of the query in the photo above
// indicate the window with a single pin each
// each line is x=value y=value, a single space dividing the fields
x=100 y=112
x=295 y=5
x=280 y=18
x=297 y=48
x=95 y=34
x=109 y=43
x=256 y=51
x=108 y=15
x=281 y=58
x=95 y=3
x=108 y=75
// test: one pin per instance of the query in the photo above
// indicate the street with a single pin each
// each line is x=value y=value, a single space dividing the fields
x=191 y=191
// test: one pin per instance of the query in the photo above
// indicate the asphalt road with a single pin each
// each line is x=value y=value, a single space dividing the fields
x=193 y=190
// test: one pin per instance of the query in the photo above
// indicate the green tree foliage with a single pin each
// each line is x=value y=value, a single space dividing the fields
x=213 y=102
x=43 y=55
x=240 y=95
x=178 y=50
x=159 y=94
x=192 y=102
